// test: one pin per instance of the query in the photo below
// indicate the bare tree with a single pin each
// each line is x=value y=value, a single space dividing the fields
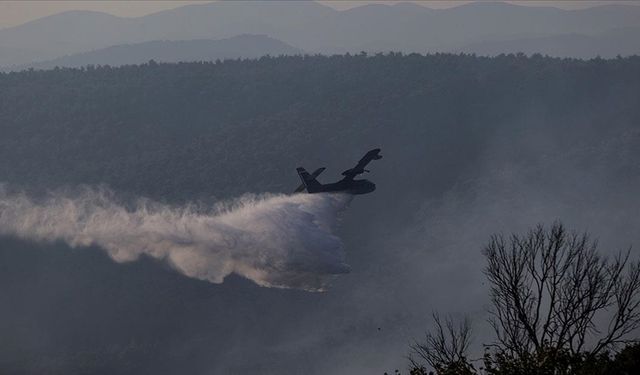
x=444 y=348
x=551 y=289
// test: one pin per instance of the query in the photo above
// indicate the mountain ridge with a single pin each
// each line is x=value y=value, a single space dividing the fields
x=241 y=46
x=308 y=25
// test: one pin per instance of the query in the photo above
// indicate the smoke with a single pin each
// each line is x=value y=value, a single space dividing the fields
x=281 y=241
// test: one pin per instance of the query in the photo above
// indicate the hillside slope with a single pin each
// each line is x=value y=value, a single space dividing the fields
x=471 y=145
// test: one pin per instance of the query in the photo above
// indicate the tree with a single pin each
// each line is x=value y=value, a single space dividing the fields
x=444 y=349
x=558 y=307
x=551 y=288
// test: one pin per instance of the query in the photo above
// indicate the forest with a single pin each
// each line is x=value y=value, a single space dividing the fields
x=472 y=146
x=175 y=130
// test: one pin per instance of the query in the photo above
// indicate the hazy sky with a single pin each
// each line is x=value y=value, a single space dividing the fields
x=14 y=13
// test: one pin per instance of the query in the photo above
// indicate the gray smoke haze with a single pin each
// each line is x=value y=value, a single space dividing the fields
x=281 y=241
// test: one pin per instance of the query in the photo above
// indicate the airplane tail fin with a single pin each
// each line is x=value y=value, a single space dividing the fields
x=309 y=181
x=314 y=175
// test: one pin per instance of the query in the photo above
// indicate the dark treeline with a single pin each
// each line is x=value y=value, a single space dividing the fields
x=175 y=130
x=472 y=146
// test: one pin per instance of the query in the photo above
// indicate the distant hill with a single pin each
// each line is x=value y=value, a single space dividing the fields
x=311 y=26
x=243 y=46
x=57 y=35
x=622 y=42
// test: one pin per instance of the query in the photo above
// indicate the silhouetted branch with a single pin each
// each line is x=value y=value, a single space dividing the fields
x=547 y=287
x=445 y=347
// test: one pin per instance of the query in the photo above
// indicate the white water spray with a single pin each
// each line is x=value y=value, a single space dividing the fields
x=274 y=240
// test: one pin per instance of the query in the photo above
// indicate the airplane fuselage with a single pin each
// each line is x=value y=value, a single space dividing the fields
x=354 y=187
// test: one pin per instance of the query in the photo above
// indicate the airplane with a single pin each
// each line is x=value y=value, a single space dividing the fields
x=346 y=185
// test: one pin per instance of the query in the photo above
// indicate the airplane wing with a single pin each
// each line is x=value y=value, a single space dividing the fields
x=315 y=174
x=359 y=168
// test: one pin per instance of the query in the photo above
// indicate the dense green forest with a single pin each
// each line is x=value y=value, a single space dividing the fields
x=472 y=146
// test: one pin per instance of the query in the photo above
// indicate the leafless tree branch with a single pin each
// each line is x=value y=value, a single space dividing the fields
x=445 y=346
x=549 y=288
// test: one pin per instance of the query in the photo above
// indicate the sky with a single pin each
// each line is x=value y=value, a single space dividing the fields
x=13 y=13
